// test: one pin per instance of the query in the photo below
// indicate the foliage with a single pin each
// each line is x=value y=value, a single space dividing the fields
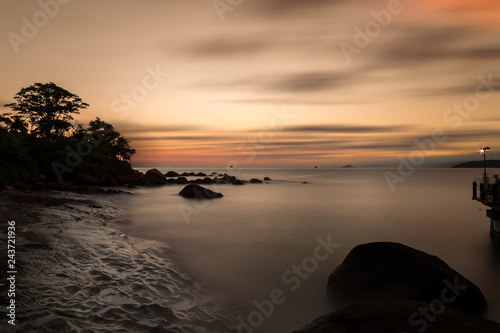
x=41 y=131
x=44 y=110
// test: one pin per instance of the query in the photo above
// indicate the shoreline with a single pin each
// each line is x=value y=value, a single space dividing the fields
x=77 y=269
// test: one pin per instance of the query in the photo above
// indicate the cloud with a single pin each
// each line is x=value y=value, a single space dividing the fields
x=420 y=44
x=148 y=128
x=276 y=7
x=229 y=47
x=199 y=138
x=348 y=129
x=296 y=101
x=307 y=82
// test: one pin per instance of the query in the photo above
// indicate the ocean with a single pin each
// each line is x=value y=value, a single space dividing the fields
x=269 y=248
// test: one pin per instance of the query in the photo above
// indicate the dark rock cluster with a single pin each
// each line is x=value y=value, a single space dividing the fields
x=390 y=287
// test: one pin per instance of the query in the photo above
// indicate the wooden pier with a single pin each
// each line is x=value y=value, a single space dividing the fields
x=489 y=196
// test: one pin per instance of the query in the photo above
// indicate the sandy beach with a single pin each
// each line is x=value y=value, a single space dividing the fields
x=76 y=272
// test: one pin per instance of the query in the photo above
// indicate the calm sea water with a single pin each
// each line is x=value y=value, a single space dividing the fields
x=246 y=244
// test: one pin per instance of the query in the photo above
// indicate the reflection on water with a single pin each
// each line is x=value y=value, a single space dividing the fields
x=243 y=243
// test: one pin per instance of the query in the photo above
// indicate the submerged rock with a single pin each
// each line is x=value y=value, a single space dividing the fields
x=399 y=316
x=255 y=181
x=193 y=191
x=395 y=271
x=238 y=182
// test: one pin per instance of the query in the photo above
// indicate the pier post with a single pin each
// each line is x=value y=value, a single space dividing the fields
x=474 y=190
x=495 y=229
x=482 y=190
x=494 y=188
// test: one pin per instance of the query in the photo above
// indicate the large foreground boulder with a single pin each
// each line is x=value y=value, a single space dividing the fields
x=399 y=316
x=193 y=191
x=395 y=271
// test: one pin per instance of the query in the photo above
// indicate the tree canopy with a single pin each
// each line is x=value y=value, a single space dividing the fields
x=44 y=110
x=41 y=133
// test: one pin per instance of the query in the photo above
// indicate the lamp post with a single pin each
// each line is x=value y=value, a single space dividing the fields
x=483 y=151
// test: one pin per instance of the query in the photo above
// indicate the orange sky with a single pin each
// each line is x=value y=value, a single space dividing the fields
x=189 y=89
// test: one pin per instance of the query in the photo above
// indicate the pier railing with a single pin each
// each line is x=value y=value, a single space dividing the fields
x=488 y=194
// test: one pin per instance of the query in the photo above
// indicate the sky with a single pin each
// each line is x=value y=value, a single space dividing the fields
x=270 y=82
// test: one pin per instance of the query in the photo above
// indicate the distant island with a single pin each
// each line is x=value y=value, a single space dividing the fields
x=348 y=166
x=479 y=164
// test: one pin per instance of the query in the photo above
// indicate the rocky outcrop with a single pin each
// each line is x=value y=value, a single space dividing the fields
x=171 y=174
x=395 y=271
x=399 y=316
x=154 y=177
x=85 y=179
x=193 y=191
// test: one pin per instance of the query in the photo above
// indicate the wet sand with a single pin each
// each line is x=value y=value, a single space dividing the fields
x=78 y=273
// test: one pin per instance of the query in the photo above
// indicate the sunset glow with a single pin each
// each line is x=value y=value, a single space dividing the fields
x=190 y=89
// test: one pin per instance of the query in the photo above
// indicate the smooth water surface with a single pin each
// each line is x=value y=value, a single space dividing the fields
x=246 y=244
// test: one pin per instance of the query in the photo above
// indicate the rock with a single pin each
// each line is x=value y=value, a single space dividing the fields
x=193 y=191
x=228 y=178
x=171 y=174
x=108 y=180
x=124 y=180
x=41 y=186
x=154 y=177
x=207 y=180
x=219 y=181
x=395 y=271
x=238 y=182
x=255 y=181
x=85 y=179
x=200 y=174
x=398 y=316
x=22 y=187
x=267 y=178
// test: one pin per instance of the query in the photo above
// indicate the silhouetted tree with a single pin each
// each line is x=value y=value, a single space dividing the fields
x=44 y=110
x=108 y=151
